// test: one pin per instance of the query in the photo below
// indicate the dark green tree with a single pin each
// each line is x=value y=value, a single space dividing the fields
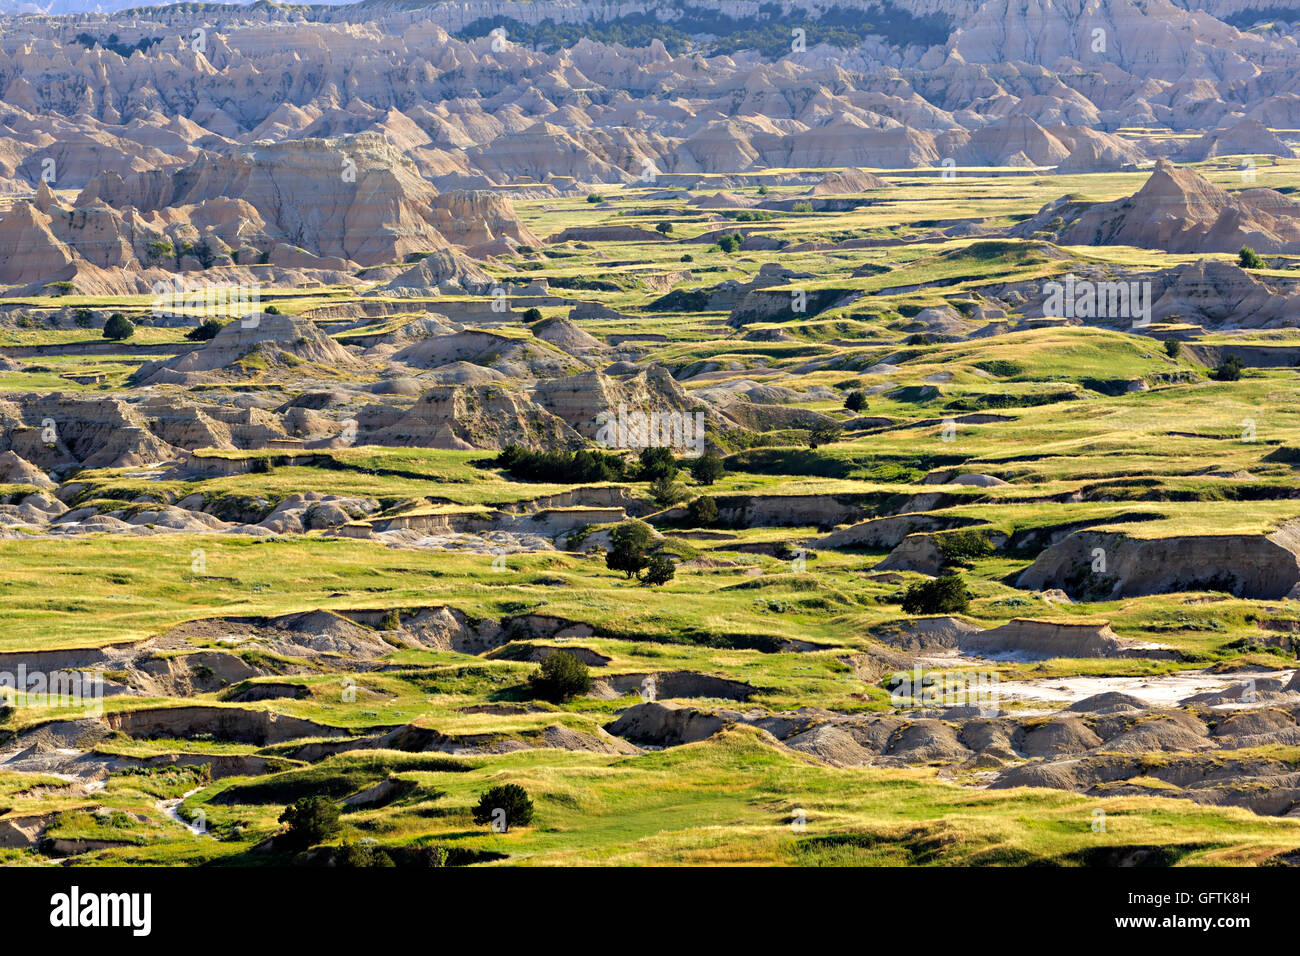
x=507 y=806
x=942 y=595
x=665 y=492
x=659 y=570
x=1229 y=370
x=657 y=463
x=118 y=327
x=561 y=676
x=708 y=468
x=628 y=544
x=308 y=821
x=702 y=512
x=1248 y=259
x=824 y=434
x=204 y=331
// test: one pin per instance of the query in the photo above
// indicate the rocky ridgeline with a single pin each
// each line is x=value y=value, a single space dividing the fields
x=187 y=162
x=1178 y=210
x=328 y=206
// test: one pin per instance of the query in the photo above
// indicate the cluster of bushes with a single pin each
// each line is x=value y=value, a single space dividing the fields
x=561 y=676
x=1229 y=370
x=656 y=465
x=942 y=595
x=961 y=547
x=204 y=331
x=729 y=243
x=561 y=466
x=123 y=50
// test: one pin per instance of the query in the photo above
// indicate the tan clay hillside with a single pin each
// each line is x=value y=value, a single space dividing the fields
x=1177 y=210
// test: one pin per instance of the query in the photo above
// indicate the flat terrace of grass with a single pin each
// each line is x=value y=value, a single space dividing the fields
x=730 y=800
x=152 y=587
x=393 y=474
x=55 y=593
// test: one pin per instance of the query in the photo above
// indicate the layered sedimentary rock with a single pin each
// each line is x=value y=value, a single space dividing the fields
x=248 y=345
x=1178 y=210
x=471 y=416
x=1262 y=565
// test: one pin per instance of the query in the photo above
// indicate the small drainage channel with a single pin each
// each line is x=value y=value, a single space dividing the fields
x=172 y=809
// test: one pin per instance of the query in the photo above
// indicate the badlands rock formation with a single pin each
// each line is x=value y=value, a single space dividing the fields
x=1247 y=565
x=197 y=165
x=1178 y=210
x=248 y=345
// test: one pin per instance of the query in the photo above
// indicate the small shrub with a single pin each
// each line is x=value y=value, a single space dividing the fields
x=1173 y=347
x=272 y=310
x=561 y=676
x=433 y=856
x=943 y=595
x=708 y=468
x=1249 y=259
x=513 y=803
x=309 y=821
x=532 y=315
x=702 y=512
x=118 y=327
x=1229 y=370
x=594 y=198
x=855 y=401
x=660 y=570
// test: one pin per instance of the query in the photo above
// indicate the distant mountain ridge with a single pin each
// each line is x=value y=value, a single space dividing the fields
x=459 y=14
